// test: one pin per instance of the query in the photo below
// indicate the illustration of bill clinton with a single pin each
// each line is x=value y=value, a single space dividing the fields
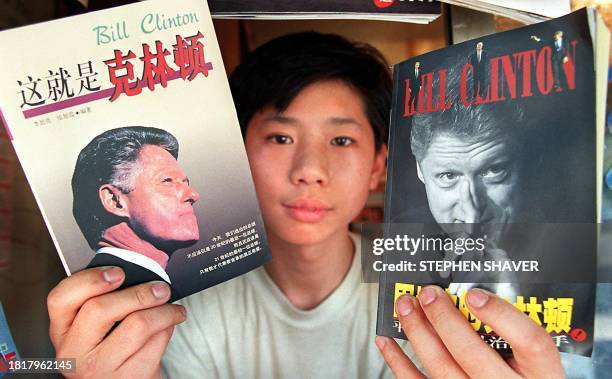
x=133 y=202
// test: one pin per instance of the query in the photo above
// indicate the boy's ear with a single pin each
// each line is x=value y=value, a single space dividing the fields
x=379 y=167
x=420 y=173
x=113 y=200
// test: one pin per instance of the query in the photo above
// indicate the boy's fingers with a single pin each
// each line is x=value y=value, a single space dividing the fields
x=512 y=363
x=136 y=331
x=146 y=362
x=398 y=362
x=65 y=300
x=535 y=353
x=99 y=314
x=427 y=345
x=476 y=358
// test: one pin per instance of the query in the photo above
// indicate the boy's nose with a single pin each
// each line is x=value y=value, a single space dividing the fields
x=310 y=166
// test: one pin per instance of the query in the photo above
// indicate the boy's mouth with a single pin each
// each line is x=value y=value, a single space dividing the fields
x=307 y=209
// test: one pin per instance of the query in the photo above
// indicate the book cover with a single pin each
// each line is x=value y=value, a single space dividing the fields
x=8 y=351
x=423 y=10
x=494 y=152
x=527 y=12
x=124 y=124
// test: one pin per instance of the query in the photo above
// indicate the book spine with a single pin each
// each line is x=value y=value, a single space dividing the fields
x=382 y=318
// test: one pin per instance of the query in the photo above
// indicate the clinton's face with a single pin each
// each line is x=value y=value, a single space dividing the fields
x=470 y=181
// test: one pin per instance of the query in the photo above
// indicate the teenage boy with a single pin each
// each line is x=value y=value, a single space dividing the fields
x=314 y=110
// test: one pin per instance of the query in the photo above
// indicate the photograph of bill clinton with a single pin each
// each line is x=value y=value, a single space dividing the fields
x=471 y=164
x=133 y=202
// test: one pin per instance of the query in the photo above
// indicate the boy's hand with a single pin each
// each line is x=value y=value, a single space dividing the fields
x=448 y=347
x=83 y=310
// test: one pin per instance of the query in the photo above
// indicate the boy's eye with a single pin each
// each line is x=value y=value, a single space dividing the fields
x=342 y=141
x=280 y=139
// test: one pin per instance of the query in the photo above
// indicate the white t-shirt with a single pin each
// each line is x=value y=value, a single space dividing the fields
x=246 y=328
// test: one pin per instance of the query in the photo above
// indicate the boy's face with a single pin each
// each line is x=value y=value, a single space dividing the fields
x=313 y=164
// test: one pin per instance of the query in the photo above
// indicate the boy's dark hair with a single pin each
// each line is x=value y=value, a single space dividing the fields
x=276 y=72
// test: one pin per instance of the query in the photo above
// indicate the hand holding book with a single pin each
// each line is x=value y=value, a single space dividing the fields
x=83 y=313
x=447 y=345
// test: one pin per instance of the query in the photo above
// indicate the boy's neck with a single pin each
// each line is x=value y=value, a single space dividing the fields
x=307 y=275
